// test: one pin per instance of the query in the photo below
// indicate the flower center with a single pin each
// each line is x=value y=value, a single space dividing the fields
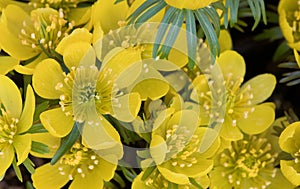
x=81 y=160
x=297 y=156
x=293 y=18
x=181 y=146
x=249 y=161
x=8 y=129
x=46 y=29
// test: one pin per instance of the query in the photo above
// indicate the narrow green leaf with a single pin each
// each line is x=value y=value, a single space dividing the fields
x=212 y=14
x=282 y=51
x=17 y=170
x=172 y=34
x=119 y=180
x=151 y=12
x=29 y=185
x=270 y=34
x=194 y=183
x=29 y=165
x=129 y=174
x=191 y=38
x=37 y=128
x=39 y=109
x=290 y=76
x=162 y=30
x=292 y=83
x=141 y=9
x=67 y=142
x=172 y=185
x=263 y=11
x=209 y=33
x=291 y=65
x=148 y=172
x=39 y=147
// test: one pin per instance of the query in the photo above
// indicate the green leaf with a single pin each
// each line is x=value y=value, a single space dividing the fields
x=148 y=172
x=151 y=12
x=119 y=180
x=212 y=14
x=128 y=173
x=29 y=165
x=282 y=51
x=291 y=65
x=232 y=6
x=29 y=185
x=39 y=109
x=118 y=1
x=194 y=183
x=172 y=34
x=270 y=34
x=290 y=76
x=37 y=128
x=209 y=33
x=39 y=147
x=172 y=185
x=67 y=142
x=191 y=38
x=162 y=30
x=17 y=170
x=141 y=9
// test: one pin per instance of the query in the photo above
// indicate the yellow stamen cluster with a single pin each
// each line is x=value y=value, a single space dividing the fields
x=156 y=180
x=81 y=159
x=181 y=146
x=249 y=161
x=46 y=30
x=8 y=129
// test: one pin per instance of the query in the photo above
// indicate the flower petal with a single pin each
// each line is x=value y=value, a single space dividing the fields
x=22 y=144
x=258 y=121
x=56 y=122
x=48 y=176
x=233 y=63
x=47 y=139
x=46 y=76
x=91 y=180
x=28 y=69
x=107 y=169
x=6 y=159
x=74 y=53
x=158 y=149
x=230 y=132
x=7 y=64
x=262 y=86
x=225 y=40
x=78 y=35
x=129 y=107
x=11 y=26
x=10 y=97
x=177 y=178
x=151 y=88
x=288 y=138
x=139 y=184
x=290 y=170
x=26 y=118
x=210 y=142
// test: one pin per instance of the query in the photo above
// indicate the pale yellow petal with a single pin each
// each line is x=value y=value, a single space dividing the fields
x=26 y=118
x=6 y=159
x=46 y=138
x=22 y=144
x=158 y=149
x=177 y=178
x=7 y=64
x=74 y=53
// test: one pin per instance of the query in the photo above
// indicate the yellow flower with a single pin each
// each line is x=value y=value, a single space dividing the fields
x=180 y=149
x=189 y=4
x=248 y=163
x=14 y=122
x=289 y=142
x=244 y=111
x=289 y=11
x=85 y=92
x=81 y=165
x=27 y=36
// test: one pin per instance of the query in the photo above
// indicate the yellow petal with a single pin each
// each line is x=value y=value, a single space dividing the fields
x=22 y=144
x=258 y=121
x=97 y=35
x=11 y=25
x=225 y=40
x=139 y=184
x=47 y=139
x=158 y=149
x=171 y=176
x=56 y=122
x=210 y=141
x=99 y=134
x=80 y=15
x=74 y=53
x=186 y=118
x=296 y=54
x=233 y=63
x=262 y=86
x=91 y=180
x=291 y=171
x=280 y=181
x=129 y=107
x=288 y=137
x=45 y=78
x=49 y=177
x=78 y=35
x=7 y=64
x=117 y=13
x=189 y=4
x=28 y=69
x=6 y=159
x=26 y=119
x=107 y=169
x=10 y=97
x=230 y=132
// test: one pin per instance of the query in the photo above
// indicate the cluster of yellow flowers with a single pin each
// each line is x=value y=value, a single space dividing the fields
x=105 y=107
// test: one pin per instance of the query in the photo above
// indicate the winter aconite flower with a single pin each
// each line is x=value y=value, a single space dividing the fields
x=189 y=4
x=244 y=113
x=180 y=150
x=248 y=163
x=289 y=19
x=14 y=122
x=25 y=35
x=81 y=165
x=289 y=142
